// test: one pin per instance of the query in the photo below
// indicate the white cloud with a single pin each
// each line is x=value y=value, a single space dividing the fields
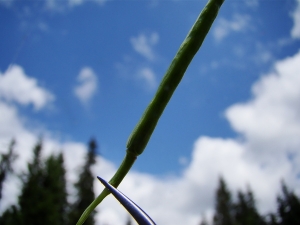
x=42 y=26
x=296 y=16
x=16 y=86
x=272 y=117
x=87 y=85
x=252 y=3
x=269 y=125
x=79 y=2
x=143 y=44
x=262 y=54
x=224 y=27
x=143 y=76
x=148 y=77
x=57 y=5
x=269 y=129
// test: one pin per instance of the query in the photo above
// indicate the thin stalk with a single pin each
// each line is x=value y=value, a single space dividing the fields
x=114 y=181
x=145 y=127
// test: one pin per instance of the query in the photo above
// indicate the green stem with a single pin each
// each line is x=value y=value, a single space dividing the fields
x=115 y=181
x=145 y=127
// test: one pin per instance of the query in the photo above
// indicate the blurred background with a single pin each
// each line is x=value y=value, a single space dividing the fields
x=76 y=76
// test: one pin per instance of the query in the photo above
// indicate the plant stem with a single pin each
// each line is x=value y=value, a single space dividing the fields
x=145 y=127
x=115 y=181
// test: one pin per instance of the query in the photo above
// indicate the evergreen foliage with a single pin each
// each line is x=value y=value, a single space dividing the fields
x=12 y=216
x=55 y=184
x=33 y=198
x=85 y=188
x=6 y=164
x=288 y=207
x=43 y=199
x=245 y=211
x=223 y=205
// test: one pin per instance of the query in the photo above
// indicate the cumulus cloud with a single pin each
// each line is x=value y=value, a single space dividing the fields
x=16 y=86
x=143 y=44
x=271 y=119
x=224 y=27
x=295 y=32
x=268 y=126
x=265 y=151
x=87 y=85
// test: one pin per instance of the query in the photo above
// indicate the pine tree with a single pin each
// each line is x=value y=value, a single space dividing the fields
x=43 y=196
x=84 y=187
x=55 y=184
x=272 y=219
x=288 y=207
x=11 y=216
x=245 y=211
x=223 y=206
x=6 y=164
x=32 y=199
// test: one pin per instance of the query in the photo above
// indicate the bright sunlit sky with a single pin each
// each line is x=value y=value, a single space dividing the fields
x=75 y=69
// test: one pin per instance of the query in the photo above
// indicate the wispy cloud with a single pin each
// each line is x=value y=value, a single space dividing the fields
x=296 y=17
x=148 y=77
x=6 y=2
x=79 y=2
x=16 y=86
x=143 y=44
x=87 y=85
x=252 y=3
x=57 y=5
x=224 y=27
x=140 y=69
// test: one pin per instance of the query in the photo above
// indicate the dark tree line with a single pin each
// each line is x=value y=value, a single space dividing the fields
x=244 y=211
x=43 y=197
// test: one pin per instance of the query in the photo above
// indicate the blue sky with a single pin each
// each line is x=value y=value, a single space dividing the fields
x=71 y=70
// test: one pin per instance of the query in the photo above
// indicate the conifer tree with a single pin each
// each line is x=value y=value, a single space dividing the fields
x=55 y=184
x=288 y=207
x=43 y=196
x=245 y=211
x=272 y=219
x=223 y=205
x=6 y=164
x=33 y=195
x=84 y=187
x=11 y=216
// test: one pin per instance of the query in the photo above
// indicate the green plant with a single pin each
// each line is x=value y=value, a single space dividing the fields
x=145 y=127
